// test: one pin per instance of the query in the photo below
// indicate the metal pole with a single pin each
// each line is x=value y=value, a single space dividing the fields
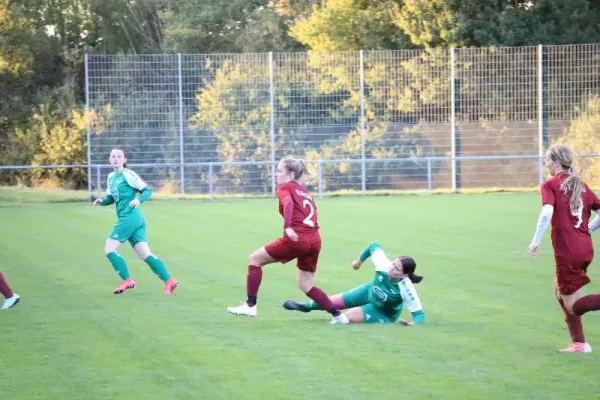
x=210 y=180
x=320 y=178
x=98 y=181
x=272 y=122
x=181 y=168
x=362 y=122
x=88 y=126
x=429 y=180
x=453 y=116
x=540 y=73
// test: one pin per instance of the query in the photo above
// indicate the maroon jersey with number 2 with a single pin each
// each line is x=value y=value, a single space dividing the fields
x=297 y=207
x=571 y=239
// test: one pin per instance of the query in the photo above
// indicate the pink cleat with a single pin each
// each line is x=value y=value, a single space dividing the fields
x=127 y=284
x=170 y=286
x=578 y=347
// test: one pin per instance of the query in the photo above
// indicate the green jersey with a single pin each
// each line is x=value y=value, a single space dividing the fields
x=388 y=295
x=122 y=187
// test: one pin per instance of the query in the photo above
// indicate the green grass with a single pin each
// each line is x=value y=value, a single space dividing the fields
x=492 y=331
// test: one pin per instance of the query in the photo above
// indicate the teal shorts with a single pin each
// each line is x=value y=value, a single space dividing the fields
x=359 y=297
x=130 y=229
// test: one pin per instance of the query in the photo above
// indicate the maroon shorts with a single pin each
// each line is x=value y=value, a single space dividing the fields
x=306 y=251
x=571 y=276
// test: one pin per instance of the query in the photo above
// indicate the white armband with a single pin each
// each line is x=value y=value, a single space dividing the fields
x=542 y=225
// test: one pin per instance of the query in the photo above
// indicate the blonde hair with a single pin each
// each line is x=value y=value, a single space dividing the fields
x=564 y=156
x=295 y=165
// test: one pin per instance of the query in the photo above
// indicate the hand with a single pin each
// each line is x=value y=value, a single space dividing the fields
x=533 y=250
x=291 y=234
x=134 y=203
x=405 y=322
x=97 y=202
x=356 y=264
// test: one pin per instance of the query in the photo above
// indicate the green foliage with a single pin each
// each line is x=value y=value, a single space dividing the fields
x=222 y=26
x=342 y=25
x=582 y=138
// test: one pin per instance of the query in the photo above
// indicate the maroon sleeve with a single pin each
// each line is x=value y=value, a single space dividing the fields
x=548 y=196
x=288 y=206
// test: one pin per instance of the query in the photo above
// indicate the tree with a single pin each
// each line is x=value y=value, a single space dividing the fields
x=225 y=26
x=462 y=23
x=342 y=25
x=582 y=138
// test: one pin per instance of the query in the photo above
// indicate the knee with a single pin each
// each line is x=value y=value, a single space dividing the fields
x=144 y=254
x=253 y=260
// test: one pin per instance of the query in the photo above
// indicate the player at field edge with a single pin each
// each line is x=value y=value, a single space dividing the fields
x=381 y=300
x=11 y=299
x=122 y=187
x=301 y=240
x=567 y=203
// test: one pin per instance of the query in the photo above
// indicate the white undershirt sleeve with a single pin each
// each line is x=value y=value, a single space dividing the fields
x=543 y=223
x=382 y=263
x=594 y=224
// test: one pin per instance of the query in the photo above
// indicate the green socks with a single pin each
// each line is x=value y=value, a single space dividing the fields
x=311 y=305
x=118 y=264
x=158 y=268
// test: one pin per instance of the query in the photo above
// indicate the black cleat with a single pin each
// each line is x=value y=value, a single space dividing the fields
x=295 y=306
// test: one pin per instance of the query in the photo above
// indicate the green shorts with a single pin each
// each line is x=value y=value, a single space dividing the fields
x=359 y=297
x=130 y=229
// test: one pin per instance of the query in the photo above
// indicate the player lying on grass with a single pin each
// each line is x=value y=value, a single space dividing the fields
x=381 y=300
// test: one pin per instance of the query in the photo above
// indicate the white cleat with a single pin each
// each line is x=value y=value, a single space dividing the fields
x=340 y=319
x=243 y=309
x=11 y=301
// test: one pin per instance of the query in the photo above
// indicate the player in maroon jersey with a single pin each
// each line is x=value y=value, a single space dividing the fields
x=10 y=298
x=567 y=203
x=301 y=240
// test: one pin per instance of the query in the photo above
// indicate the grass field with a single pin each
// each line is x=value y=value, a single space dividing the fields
x=492 y=326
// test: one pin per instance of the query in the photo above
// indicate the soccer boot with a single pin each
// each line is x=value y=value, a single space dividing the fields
x=11 y=301
x=170 y=286
x=127 y=284
x=295 y=306
x=243 y=309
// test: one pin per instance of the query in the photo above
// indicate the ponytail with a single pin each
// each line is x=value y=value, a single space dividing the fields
x=414 y=278
x=574 y=183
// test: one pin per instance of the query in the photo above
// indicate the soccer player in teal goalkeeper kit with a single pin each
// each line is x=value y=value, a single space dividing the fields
x=123 y=186
x=381 y=300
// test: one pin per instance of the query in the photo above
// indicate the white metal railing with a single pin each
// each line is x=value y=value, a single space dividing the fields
x=425 y=181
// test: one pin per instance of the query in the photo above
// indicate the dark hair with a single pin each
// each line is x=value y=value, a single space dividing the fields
x=408 y=266
x=124 y=153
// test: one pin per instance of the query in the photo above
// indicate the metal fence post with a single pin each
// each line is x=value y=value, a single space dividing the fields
x=362 y=122
x=210 y=181
x=453 y=118
x=429 y=180
x=320 y=178
x=99 y=181
x=542 y=116
x=88 y=126
x=181 y=160
x=272 y=121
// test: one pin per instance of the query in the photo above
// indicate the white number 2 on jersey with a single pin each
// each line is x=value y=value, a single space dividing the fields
x=308 y=221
